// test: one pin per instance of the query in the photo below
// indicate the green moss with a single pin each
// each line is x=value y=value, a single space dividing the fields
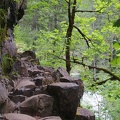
x=3 y=25
x=7 y=63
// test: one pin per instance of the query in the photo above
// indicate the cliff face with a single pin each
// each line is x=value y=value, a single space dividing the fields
x=10 y=13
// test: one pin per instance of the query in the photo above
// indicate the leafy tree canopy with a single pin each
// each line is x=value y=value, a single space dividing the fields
x=82 y=32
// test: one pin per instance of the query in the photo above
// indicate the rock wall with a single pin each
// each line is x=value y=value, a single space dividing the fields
x=34 y=92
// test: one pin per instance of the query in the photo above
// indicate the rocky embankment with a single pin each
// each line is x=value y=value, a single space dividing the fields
x=34 y=92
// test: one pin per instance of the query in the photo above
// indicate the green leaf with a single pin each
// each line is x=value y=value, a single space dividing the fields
x=116 y=61
x=117 y=23
x=116 y=46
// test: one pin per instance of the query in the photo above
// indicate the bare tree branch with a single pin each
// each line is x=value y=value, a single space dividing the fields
x=83 y=35
x=114 y=77
x=87 y=11
x=100 y=83
x=66 y=1
x=90 y=10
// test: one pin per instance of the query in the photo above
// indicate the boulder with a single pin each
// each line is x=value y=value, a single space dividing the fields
x=51 y=118
x=24 y=86
x=49 y=72
x=81 y=88
x=43 y=80
x=33 y=70
x=29 y=53
x=25 y=83
x=66 y=99
x=1 y=117
x=65 y=77
x=40 y=90
x=8 y=107
x=38 y=80
x=48 y=80
x=17 y=98
x=20 y=68
x=3 y=94
x=15 y=116
x=84 y=114
x=41 y=105
x=46 y=69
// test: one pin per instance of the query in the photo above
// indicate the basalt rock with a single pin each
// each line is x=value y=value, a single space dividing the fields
x=33 y=71
x=15 y=116
x=3 y=94
x=51 y=118
x=8 y=107
x=38 y=80
x=42 y=92
x=65 y=77
x=17 y=98
x=84 y=114
x=41 y=105
x=24 y=86
x=66 y=99
x=20 y=68
x=29 y=53
x=25 y=83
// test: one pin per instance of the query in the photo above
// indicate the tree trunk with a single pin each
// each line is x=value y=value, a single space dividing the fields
x=10 y=13
x=71 y=17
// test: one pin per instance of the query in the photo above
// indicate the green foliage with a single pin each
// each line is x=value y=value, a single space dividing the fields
x=112 y=98
x=117 y=23
x=43 y=30
x=17 y=0
x=2 y=25
x=7 y=62
x=116 y=61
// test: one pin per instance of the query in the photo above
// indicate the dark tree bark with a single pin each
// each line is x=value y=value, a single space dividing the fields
x=10 y=13
x=71 y=17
